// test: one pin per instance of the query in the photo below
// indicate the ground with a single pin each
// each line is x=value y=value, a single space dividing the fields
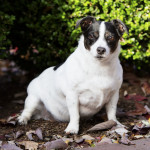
x=13 y=84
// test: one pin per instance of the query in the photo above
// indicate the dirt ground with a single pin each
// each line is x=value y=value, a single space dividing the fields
x=13 y=86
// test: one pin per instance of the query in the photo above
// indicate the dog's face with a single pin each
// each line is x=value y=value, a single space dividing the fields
x=101 y=38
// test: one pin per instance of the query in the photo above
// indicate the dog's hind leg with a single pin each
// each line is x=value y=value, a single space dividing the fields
x=31 y=103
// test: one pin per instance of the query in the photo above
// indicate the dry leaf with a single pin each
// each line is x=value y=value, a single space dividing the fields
x=125 y=140
x=138 y=136
x=89 y=141
x=29 y=134
x=10 y=146
x=29 y=145
x=119 y=130
x=57 y=144
x=19 y=133
x=12 y=119
x=67 y=140
x=115 y=141
x=142 y=127
x=88 y=137
x=78 y=139
x=135 y=97
x=105 y=140
x=146 y=88
x=38 y=132
x=140 y=110
x=147 y=108
x=104 y=125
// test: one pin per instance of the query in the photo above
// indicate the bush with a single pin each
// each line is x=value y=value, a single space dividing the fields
x=5 y=25
x=44 y=30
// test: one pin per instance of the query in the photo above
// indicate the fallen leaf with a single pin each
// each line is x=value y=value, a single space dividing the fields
x=147 y=108
x=138 y=136
x=135 y=97
x=19 y=133
x=98 y=139
x=57 y=144
x=12 y=119
x=105 y=140
x=89 y=141
x=13 y=122
x=146 y=123
x=142 y=127
x=119 y=130
x=140 y=110
x=9 y=136
x=29 y=134
x=67 y=140
x=30 y=145
x=115 y=141
x=102 y=126
x=125 y=140
x=88 y=137
x=10 y=146
x=38 y=132
x=146 y=88
x=78 y=139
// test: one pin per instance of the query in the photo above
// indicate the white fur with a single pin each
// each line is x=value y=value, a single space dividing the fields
x=78 y=88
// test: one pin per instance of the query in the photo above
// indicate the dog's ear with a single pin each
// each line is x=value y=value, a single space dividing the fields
x=85 y=22
x=120 y=27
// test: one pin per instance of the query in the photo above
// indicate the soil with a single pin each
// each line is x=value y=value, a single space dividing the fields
x=12 y=84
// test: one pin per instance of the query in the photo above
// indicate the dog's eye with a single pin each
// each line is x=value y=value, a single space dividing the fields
x=111 y=38
x=90 y=36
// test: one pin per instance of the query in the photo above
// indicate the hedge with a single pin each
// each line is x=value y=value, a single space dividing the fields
x=44 y=30
x=5 y=24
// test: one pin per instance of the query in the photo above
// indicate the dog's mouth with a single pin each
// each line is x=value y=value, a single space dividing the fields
x=100 y=57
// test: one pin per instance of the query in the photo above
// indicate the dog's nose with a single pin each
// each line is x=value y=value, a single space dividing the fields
x=101 y=50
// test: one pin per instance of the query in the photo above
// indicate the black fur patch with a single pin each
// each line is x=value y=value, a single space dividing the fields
x=111 y=36
x=57 y=66
x=91 y=35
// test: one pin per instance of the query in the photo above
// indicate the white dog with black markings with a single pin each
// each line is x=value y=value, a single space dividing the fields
x=89 y=79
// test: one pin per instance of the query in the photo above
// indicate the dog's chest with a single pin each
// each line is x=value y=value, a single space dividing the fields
x=95 y=92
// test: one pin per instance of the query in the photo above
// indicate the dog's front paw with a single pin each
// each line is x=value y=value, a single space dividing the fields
x=119 y=124
x=72 y=129
x=22 y=120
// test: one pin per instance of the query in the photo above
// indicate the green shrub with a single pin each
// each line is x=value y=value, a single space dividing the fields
x=49 y=27
x=5 y=24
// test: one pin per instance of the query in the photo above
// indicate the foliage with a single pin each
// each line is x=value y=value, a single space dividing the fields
x=5 y=25
x=44 y=30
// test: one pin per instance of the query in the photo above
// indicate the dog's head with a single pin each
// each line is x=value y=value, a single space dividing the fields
x=101 y=38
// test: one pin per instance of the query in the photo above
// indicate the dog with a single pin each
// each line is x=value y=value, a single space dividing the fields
x=89 y=79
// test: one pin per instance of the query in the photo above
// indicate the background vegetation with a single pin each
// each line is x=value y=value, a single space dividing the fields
x=42 y=33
